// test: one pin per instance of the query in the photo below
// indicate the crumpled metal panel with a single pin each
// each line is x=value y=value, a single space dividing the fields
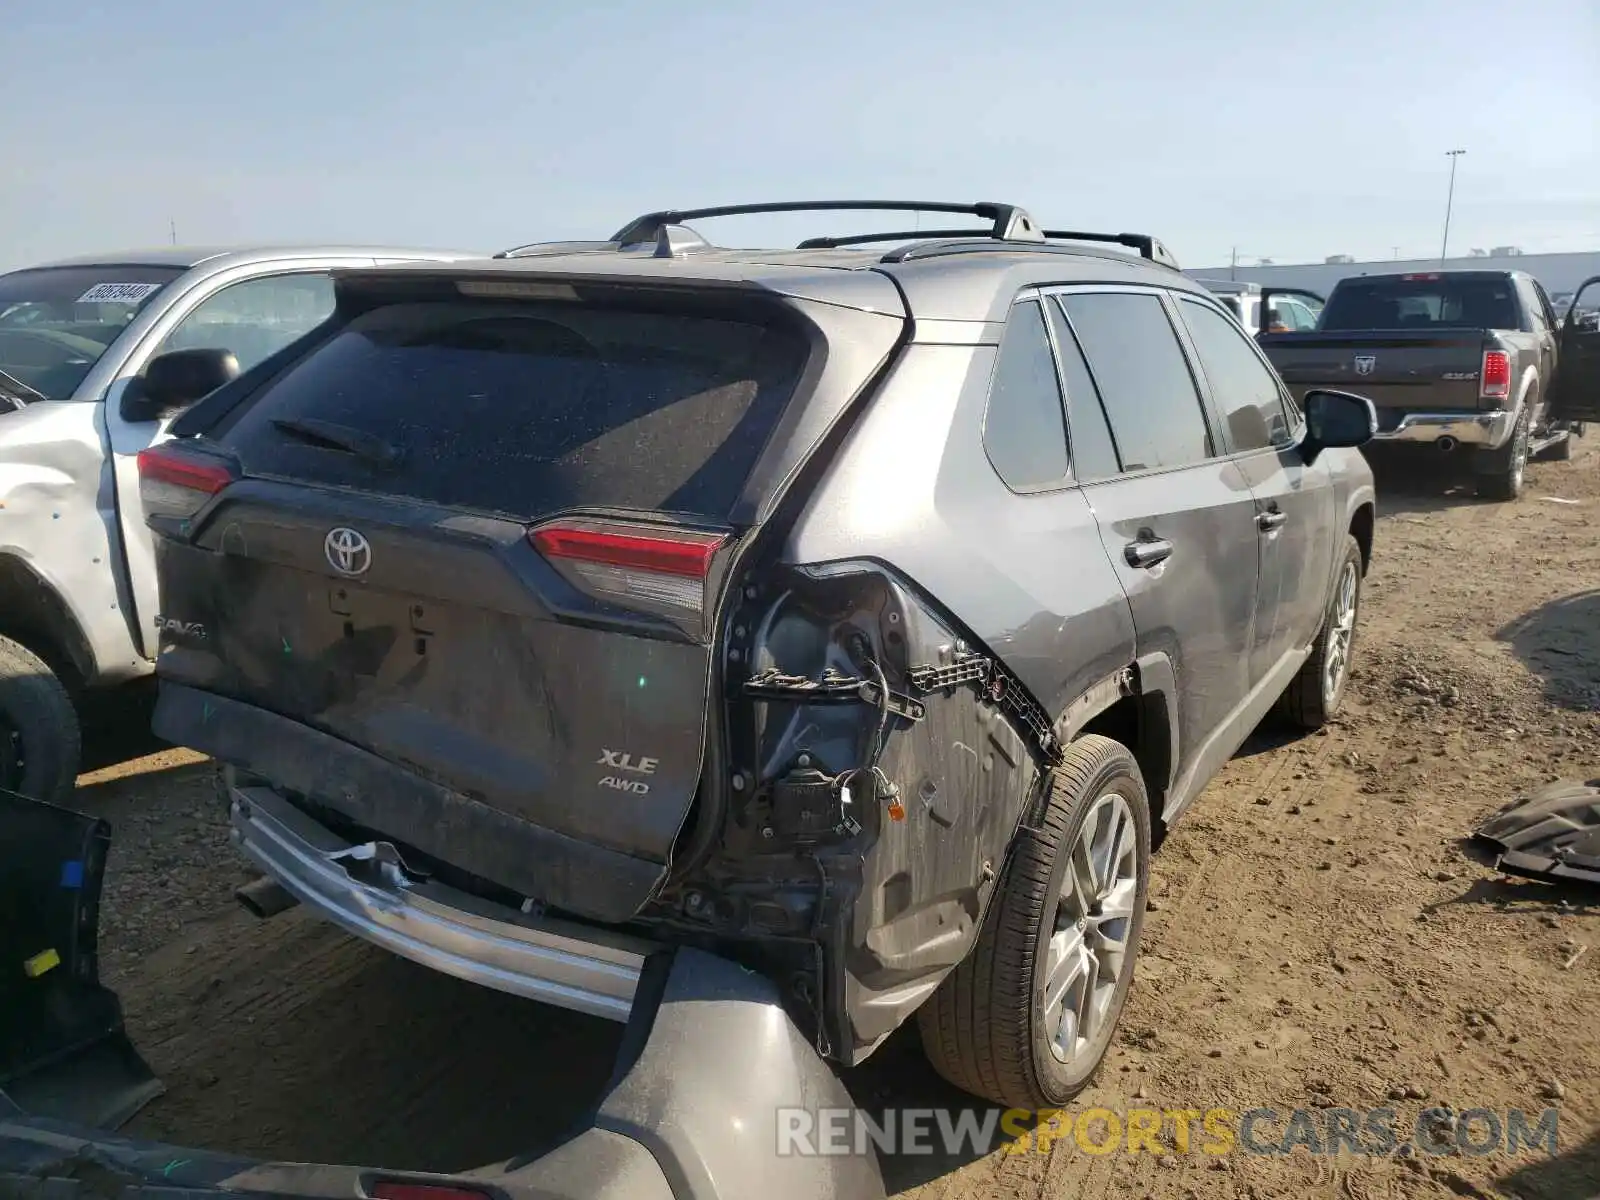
x=1553 y=834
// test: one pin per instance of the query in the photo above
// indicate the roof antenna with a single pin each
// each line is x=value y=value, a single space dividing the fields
x=172 y=225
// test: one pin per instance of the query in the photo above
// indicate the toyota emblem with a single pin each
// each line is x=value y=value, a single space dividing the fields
x=348 y=552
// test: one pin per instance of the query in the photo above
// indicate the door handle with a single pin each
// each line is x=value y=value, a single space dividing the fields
x=1272 y=518
x=1147 y=552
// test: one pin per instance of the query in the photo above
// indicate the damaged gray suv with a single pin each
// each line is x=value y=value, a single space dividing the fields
x=859 y=612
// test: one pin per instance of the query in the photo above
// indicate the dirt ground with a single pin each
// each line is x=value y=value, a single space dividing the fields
x=1318 y=936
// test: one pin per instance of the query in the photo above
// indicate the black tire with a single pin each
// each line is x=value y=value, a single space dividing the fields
x=39 y=737
x=1503 y=472
x=984 y=1029
x=1307 y=702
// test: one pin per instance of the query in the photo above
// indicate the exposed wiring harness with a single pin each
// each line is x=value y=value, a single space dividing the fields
x=883 y=787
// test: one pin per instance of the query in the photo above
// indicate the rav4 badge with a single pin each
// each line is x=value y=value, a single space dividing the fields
x=179 y=628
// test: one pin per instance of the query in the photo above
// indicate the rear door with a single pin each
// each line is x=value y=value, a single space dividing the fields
x=1576 y=395
x=485 y=539
x=1295 y=509
x=1177 y=517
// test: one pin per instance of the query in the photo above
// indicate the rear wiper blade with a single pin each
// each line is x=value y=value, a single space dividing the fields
x=330 y=436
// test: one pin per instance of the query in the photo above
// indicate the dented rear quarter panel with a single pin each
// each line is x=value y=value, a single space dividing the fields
x=912 y=494
x=913 y=489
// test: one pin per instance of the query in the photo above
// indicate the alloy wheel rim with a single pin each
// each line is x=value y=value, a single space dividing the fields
x=1341 y=633
x=1519 y=456
x=1089 y=951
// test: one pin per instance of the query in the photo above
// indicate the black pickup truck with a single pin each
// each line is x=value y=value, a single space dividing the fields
x=1477 y=361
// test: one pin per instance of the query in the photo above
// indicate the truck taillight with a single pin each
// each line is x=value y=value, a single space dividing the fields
x=645 y=567
x=1496 y=377
x=177 y=483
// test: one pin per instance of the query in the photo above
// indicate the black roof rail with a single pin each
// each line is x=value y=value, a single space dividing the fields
x=903 y=235
x=1010 y=222
x=931 y=243
x=540 y=249
x=1147 y=246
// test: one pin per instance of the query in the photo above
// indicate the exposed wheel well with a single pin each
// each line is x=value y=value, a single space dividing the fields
x=1361 y=523
x=33 y=614
x=1141 y=724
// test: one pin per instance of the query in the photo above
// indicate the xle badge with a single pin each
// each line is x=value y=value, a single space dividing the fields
x=619 y=760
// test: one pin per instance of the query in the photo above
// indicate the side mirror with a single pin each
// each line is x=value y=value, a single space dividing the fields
x=173 y=381
x=1336 y=419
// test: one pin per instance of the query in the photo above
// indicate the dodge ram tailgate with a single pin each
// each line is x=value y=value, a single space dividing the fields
x=1399 y=371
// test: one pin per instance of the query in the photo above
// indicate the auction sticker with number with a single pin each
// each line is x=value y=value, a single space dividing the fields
x=118 y=293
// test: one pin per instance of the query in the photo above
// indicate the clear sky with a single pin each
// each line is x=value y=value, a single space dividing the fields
x=1292 y=129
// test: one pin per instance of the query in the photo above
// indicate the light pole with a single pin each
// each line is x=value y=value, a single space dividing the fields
x=1450 y=199
x=1233 y=262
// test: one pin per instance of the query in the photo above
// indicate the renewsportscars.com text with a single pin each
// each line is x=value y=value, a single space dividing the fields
x=1179 y=1131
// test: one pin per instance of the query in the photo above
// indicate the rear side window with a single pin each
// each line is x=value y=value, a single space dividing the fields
x=529 y=409
x=1024 y=430
x=1143 y=378
x=1243 y=389
x=1094 y=455
x=1423 y=303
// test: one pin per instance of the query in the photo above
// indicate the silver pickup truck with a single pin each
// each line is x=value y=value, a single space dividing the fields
x=1473 y=361
x=96 y=355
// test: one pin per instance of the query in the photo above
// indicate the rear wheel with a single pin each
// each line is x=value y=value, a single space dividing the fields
x=39 y=738
x=1501 y=472
x=1026 y=1018
x=1315 y=695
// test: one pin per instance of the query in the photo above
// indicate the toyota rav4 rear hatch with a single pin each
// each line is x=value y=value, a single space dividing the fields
x=453 y=572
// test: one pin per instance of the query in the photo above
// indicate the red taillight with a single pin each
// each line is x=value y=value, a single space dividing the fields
x=173 y=483
x=1421 y=275
x=1496 y=376
x=399 y=1189
x=687 y=554
x=657 y=570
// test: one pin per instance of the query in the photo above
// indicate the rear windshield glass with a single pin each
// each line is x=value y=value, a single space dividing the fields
x=1421 y=304
x=529 y=409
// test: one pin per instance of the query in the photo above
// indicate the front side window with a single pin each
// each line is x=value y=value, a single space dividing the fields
x=1243 y=388
x=1024 y=431
x=1290 y=316
x=1143 y=378
x=57 y=322
x=256 y=318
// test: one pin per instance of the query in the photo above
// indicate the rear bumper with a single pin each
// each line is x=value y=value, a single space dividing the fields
x=1490 y=430
x=694 y=1110
x=589 y=970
